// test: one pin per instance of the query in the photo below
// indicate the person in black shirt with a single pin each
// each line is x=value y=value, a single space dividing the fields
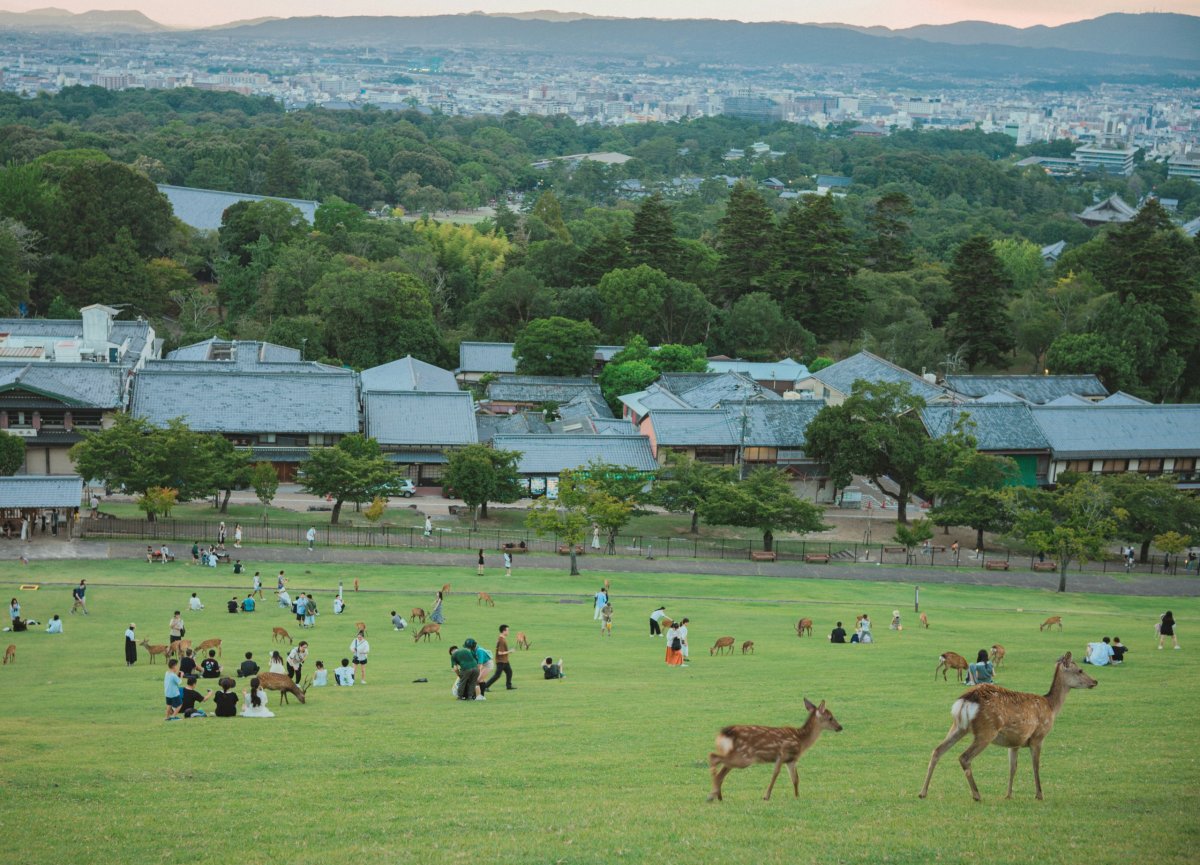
x=232 y=605
x=838 y=635
x=191 y=697
x=226 y=699
x=248 y=667
x=210 y=667
x=187 y=666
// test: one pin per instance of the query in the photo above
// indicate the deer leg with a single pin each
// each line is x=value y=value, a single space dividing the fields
x=953 y=736
x=774 y=775
x=795 y=778
x=718 y=780
x=965 y=758
x=1012 y=770
x=1035 y=748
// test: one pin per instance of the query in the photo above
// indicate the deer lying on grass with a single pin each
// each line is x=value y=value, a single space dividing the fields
x=417 y=614
x=1009 y=718
x=744 y=745
x=209 y=644
x=950 y=661
x=522 y=640
x=433 y=628
x=721 y=644
x=485 y=598
x=155 y=651
x=178 y=647
x=1051 y=622
x=10 y=654
x=997 y=655
x=748 y=646
x=804 y=626
x=924 y=620
x=283 y=683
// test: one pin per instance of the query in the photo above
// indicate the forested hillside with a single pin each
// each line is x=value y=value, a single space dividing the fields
x=931 y=258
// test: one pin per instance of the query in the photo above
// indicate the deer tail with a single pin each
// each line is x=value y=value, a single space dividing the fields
x=725 y=742
x=964 y=712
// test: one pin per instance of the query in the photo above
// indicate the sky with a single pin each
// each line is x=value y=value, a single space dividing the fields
x=889 y=13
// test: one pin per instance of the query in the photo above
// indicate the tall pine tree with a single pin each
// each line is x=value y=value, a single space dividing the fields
x=814 y=262
x=652 y=240
x=981 y=290
x=744 y=237
x=889 y=248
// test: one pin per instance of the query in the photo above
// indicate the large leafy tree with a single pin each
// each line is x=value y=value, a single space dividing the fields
x=685 y=485
x=1074 y=521
x=480 y=474
x=265 y=481
x=105 y=197
x=757 y=329
x=565 y=517
x=765 y=502
x=981 y=289
x=231 y=470
x=349 y=472
x=743 y=240
x=815 y=259
x=12 y=454
x=876 y=432
x=248 y=222
x=1151 y=506
x=556 y=346
x=969 y=487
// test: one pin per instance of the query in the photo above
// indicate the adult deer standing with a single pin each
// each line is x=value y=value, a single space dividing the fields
x=804 y=626
x=1051 y=622
x=1009 y=718
x=744 y=745
x=950 y=661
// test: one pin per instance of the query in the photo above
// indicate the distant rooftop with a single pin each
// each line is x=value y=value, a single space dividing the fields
x=203 y=208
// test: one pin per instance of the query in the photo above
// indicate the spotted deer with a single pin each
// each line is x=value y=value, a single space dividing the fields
x=283 y=683
x=1009 y=718
x=485 y=598
x=432 y=629
x=744 y=745
x=997 y=655
x=10 y=654
x=210 y=644
x=950 y=661
x=804 y=626
x=279 y=634
x=721 y=645
x=748 y=646
x=1051 y=622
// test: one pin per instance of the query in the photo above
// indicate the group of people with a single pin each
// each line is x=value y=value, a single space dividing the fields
x=184 y=701
x=862 y=630
x=471 y=663
x=1105 y=652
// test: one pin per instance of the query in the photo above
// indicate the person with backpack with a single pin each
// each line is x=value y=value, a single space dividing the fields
x=674 y=647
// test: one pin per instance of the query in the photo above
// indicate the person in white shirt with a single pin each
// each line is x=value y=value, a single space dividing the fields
x=1100 y=654
x=285 y=600
x=681 y=632
x=55 y=625
x=359 y=647
x=338 y=605
x=194 y=603
x=320 y=676
x=311 y=537
x=344 y=675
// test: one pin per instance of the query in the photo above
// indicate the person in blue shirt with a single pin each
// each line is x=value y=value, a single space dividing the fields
x=173 y=689
x=981 y=672
x=248 y=604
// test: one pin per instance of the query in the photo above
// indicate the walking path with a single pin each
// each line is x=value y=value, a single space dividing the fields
x=1086 y=581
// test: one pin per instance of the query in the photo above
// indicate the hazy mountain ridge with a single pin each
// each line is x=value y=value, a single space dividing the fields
x=95 y=21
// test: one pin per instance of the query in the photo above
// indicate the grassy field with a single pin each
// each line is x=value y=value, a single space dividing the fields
x=607 y=765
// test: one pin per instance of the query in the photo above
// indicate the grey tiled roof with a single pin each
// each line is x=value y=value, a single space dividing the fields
x=586 y=403
x=1037 y=389
x=550 y=454
x=869 y=367
x=245 y=352
x=203 y=208
x=676 y=427
x=1122 y=398
x=997 y=426
x=227 y=399
x=408 y=373
x=654 y=397
x=517 y=423
x=539 y=389
x=91 y=385
x=137 y=332
x=41 y=491
x=1068 y=399
x=680 y=383
x=728 y=387
x=782 y=370
x=417 y=418
x=777 y=423
x=1120 y=431
x=486 y=357
x=617 y=426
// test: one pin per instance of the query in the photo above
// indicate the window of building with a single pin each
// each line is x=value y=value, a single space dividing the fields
x=716 y=456
x=1078 y=466
x=1150 y=467
x=321 y=440
x=1112 y=467
x=55 y=419
x=1185 y=464
x=266 y=438
x=759 y=455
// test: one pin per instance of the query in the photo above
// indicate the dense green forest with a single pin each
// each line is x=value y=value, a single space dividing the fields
x=931 y=259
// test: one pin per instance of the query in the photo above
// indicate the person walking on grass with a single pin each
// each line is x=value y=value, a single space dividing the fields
x=237 y=536
x=359 y=647
x=1166 y=628
x=601 y=598
x=311 y=537
x=436 y=615
x=683 y=641
x=507 y=564
x=79 y=599
x=502 y=664
x=606 y=620
x=479 y=565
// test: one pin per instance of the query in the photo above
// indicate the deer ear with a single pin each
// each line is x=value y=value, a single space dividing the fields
x=808 y=705
x=1066 y=658
x=821 y=707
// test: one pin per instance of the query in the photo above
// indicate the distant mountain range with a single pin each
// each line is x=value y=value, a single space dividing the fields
x=1148 y=43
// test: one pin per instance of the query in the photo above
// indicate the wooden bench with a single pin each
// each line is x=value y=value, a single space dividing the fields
x=565 y=550
x=814 y=558
x=894 y=549
x=938 y=549
x=1045 y=566
x=762 y=556
x=513 y=548
x=156 y=556
x=223 y=558
x=995 y=565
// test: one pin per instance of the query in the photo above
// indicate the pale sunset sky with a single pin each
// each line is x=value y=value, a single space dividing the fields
x=1018 y=13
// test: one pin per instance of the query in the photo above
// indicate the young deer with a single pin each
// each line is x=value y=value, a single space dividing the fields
x=522 y=640
x=997 y=655
x=485 y=598
x=744 y=745
x=804 y=626
x=950 y=661
x=155 y=651
x=748 y=646
x=426 y=630
x=10 y=654
x=210 y=644
x=924 y=620
x=1051 y=622
x=1009 y=718
x=283 y=683
x=279 y=634
x=721 y=645
x=417 y=615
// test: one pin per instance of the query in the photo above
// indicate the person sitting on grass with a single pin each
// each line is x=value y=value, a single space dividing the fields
x=232 y=604
x=255 y=703
x=551 y=670
x=981 y=672
x=1118 y=649
x=194 y=603
x=838 y=634
x=187 y=667
x=398 y=623
x=192 y=697
x=1099 y=654
x=210 y=667
x=344 y=675
x=321 y=676
x=55 y=625
x=249 y=667
x=248 y=604
x=226 y=699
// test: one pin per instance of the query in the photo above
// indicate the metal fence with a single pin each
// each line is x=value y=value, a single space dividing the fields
x=181 y=534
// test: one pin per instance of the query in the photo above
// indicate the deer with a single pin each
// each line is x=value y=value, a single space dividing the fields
x=950 y=661
x=924 y=620
x=432 y=628
x=417 y=615
x=721 y=644
x=283 y=683
x=744 y=745
x=279 y=635
x=1051 y=622
x=155 y=651
x=804 y=626
x=485 y=598
x=997 y=655
x=10 y=654
x=748 y=646
x=1010 y=718
x=665 y=623
x=178 y=647
x=522 y=640
x=210 y=644
x=361 y=626
x=445 y=588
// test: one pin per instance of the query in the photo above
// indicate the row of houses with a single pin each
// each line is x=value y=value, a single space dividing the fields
x=276 y=406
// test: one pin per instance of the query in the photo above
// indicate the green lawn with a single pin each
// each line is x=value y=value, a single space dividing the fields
x=607 y=765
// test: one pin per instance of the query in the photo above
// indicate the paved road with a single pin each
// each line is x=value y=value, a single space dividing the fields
x=1087 y=581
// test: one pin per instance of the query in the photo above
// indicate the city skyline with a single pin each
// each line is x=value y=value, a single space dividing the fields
x=1016 y=13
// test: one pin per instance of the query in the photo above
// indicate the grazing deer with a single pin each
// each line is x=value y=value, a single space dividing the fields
x=924 y=620
x=950 y=661
x=485 y=598
x=155 y=651
x=445 y=588
x=426 y=630
x=997 y=655
x=744 y=745
x=522 y=640
x=748 y=646
x=279 y=634
x=721 y=644
x=417 y=614
x=607 y=584
x=10 y=654
x=178 y=647
x=210 y=644
x=283 y=683
x=1051 y=622
x=804 y=626
x=1009 y=718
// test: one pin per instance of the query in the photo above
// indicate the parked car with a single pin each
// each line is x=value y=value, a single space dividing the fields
x=401 y=487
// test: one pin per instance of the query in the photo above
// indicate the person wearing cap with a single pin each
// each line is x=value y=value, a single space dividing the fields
x=466 y=665
x=130 y=646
